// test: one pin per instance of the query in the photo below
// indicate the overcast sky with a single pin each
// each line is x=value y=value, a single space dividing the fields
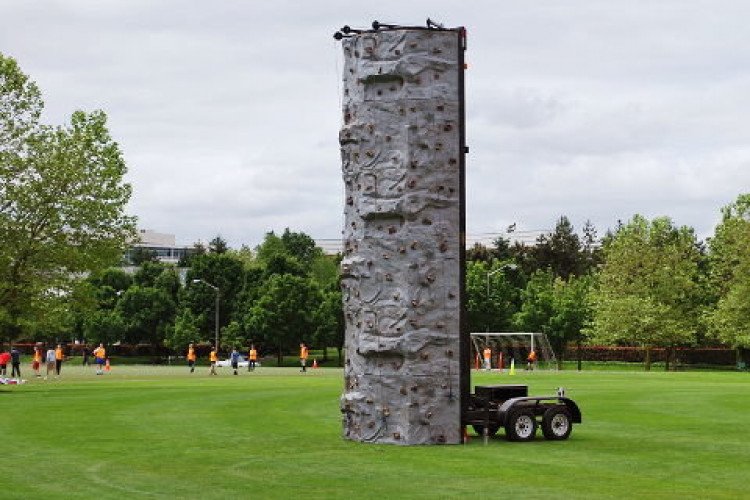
x=228 y=111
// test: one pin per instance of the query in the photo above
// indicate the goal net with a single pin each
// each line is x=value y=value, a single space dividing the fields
x=507 y=346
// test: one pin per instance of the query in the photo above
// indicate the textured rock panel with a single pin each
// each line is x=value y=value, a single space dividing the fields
x=400 y=150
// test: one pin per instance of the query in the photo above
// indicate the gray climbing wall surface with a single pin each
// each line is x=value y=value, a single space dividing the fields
x=401 y=148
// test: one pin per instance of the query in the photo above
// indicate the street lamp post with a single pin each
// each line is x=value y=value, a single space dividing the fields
x=216 y=289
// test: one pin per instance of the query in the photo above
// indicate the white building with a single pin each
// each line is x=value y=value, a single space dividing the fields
x=164 y=246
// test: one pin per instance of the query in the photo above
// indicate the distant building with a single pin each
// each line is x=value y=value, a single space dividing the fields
x=163 y=245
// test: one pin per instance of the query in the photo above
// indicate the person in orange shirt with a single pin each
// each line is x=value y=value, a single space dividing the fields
x=191 y=358
x=213 y=358
x=531 y=360
x=58 y=359
x=252 y=357
x=100 y=356
x=303 y=356
x=487 y=353
x=37 y=361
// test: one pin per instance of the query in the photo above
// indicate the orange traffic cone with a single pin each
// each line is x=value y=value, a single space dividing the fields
x=500 y=365
x=476 y=362
x=465 y=435
x=315 y=363
x=106 y=365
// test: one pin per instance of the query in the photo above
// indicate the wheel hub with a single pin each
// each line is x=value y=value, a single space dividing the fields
x=524 y=426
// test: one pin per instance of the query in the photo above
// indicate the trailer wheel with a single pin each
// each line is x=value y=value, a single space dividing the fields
x=557 y=423
x=491 y=430
x=520 y=426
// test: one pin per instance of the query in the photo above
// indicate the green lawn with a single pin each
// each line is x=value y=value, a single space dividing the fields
x=143 y=431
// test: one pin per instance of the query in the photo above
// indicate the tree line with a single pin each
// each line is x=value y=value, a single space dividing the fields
x=646 y=283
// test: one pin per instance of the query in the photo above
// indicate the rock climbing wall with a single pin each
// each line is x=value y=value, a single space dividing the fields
x=401 y=149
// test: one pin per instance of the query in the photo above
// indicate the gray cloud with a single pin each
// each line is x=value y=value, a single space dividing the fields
x=228 y=113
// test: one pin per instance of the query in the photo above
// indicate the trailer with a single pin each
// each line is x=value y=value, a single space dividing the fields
x=509 y=406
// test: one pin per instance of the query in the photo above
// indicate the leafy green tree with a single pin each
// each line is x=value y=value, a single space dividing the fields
x=329 y=321
x=218 y=245
x=491 y=308
x=283 y=314
x=325 y=270
x=556 y=307
x=185 y=331
x=538 y=302
x=647 y=287
x=220 y=270
x=169 y=281
x=729 y=320
x=481 y=253
x=62 y=200
x=560 y=251
x=233 y=336
x=104 y=326
x=572 y=313
x=148 y=313
x=113 y=277
x=284 y=264
x=148 y=272
x=299 y=246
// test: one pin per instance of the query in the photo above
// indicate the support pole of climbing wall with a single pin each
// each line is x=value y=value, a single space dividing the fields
x=402 y=149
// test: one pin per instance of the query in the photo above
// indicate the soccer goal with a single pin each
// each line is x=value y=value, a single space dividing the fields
x=507 y=346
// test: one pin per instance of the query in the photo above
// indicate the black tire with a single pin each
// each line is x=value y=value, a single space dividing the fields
x=520 y=425
x=491 y=430
x=557 y=423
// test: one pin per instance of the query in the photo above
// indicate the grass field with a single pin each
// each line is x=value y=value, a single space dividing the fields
x=160 y=432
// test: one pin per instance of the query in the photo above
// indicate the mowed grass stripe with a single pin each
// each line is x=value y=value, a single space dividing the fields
x=161 y=432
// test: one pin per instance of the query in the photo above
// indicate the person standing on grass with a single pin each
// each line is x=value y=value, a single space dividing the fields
x=37 y=361
x=235 y=359
x=252 y=357
x=15 y=360
x=487 y=353
x=531 y=360
x=303 y=357
x=191 y=358
x=58 y=359
x=100 y=357
x=85 y=353
x=4 y=358
x=213 y=358
x=50 y=359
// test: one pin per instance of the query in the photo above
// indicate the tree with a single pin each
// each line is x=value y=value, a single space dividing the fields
x=329 y=321
x=492 y=311
x=729 y=278
x=185 y=331
x=538 y=303
x=281 y=315
x=104 y=327
x=560 y=251
x=299 y=246
x=572 y=313
x=62 y=200
x=647 y=288
x=147 y=274
x=220 y=270
x=148 y=313
x=218 y=245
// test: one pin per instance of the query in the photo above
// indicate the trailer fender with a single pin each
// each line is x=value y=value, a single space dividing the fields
x=532 y=401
